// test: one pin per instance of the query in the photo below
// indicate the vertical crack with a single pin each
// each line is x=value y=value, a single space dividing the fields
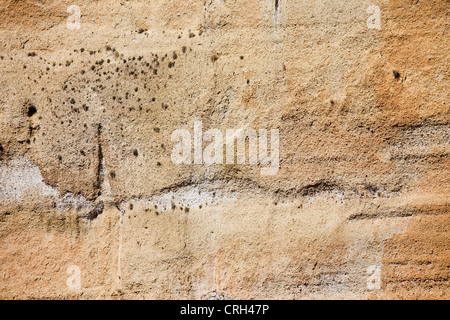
x=100 y=171
x=100 y=206
x=102 y=187
x=119 y=250
x=276 y=13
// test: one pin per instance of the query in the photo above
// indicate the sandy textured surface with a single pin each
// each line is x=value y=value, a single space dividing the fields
x=92 y=205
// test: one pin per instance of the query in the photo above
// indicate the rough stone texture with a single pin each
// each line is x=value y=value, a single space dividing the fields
x=86 y=176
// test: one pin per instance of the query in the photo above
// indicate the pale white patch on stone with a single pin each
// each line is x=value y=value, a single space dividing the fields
x=20 y=179
x=73 y=201
x=190 y=196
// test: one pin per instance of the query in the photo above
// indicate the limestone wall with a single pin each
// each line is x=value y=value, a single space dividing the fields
x=93 y=205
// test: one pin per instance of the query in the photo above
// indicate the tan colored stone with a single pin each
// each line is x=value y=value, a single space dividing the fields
x=87 y=179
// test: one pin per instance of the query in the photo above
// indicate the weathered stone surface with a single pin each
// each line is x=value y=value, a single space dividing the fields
x=359 y=207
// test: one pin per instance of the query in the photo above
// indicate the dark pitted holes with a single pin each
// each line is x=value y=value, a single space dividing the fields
x=31 y=111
